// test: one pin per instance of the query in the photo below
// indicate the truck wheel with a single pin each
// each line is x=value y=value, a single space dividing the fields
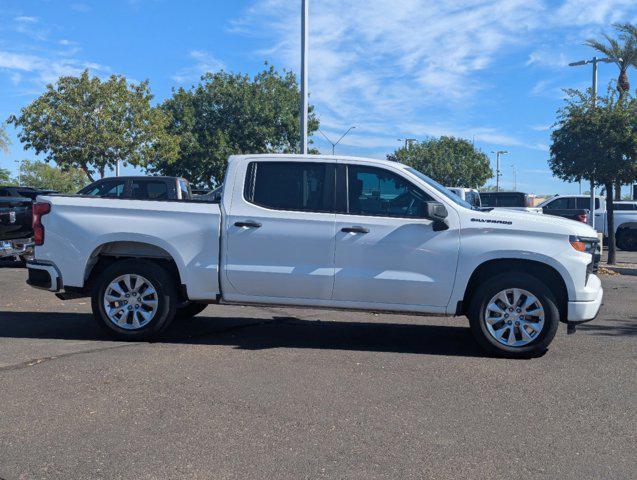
x=514 y=315
x=627 y=240
x=134 y=300
x=189 y=310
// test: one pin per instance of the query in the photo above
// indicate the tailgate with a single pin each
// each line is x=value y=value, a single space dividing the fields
x=15 y=218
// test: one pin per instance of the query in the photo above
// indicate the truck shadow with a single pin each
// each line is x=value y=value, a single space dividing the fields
x=262 y=333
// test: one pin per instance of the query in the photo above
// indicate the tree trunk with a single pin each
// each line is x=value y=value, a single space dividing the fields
x=610 y=223
x=87 y=172
x=618 y=190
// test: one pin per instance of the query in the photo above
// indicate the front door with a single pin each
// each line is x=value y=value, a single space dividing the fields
x=386 y=253
x=280 y=232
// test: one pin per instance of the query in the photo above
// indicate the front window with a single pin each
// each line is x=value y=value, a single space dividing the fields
x=378 y=192
x=109 y=189
x=151 y=189
x=439 y=188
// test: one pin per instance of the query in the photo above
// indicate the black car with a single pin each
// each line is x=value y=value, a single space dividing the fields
x=506 y=199
x=149 y=188
x=15 y=211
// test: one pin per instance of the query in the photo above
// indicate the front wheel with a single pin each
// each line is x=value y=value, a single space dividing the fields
x=514 y=315
x=134 y=300
x=627 y=240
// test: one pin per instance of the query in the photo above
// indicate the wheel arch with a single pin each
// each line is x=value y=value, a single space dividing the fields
x=540 y=270
x=110 y=252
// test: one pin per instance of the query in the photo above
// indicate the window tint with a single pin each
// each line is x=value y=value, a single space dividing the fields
x=378 y=192
x=298 y=186
x=625 y=206
x=152 y=189
x=111 y=188
x=585 y=203
x=563 y=203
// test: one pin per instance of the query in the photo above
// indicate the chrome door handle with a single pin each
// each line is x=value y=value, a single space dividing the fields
x=247 y=223
x=355 y=230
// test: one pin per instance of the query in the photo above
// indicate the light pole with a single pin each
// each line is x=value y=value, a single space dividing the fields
x=337 y=141
x=305 y=13
x=594 y=61
x=19 y=164
x=408 y=141
x=498 y=174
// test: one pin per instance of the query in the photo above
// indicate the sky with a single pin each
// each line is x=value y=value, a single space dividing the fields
x=489 y=71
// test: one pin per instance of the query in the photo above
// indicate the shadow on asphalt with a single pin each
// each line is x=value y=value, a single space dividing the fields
x=619 y=328
x=260 y=333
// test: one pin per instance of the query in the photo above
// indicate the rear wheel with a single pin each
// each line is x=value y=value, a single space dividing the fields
x=134 y=300
x=627 y=240
x=514 y=315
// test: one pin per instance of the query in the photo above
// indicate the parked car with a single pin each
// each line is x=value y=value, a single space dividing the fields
x=625 y=217
x=211 y=196
x=151 y=188
x=320 y=231
x=568 y=206
x=15 y=220
x=510 y=200
x=469 y=195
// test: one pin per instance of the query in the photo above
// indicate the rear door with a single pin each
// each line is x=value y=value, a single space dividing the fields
x=386 y=252
x=279 y=231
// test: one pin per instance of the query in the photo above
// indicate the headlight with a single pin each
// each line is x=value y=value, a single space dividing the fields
x=583 y=244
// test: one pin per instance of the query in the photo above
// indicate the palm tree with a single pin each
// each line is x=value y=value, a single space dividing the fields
x=624 y=50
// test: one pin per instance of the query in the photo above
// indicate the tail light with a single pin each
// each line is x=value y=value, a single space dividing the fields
x=39 y=210
x=583 y=217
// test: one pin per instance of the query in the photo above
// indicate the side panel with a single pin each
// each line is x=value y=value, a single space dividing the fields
x=290 y=255
x=79 y=227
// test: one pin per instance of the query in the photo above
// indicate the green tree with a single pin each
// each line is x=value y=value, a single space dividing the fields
x=624 y=50
x=597 y=143
x=453 y=162
x=228 y=114
x=5 y=176
x=86 y=123
x=42 y=175
x=4 y=140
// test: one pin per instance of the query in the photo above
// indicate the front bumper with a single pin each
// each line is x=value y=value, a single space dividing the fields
x=44 y=276
x=579 y=312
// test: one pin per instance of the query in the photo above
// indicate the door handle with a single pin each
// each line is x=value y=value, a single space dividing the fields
x=247 y=223
x=355 y=230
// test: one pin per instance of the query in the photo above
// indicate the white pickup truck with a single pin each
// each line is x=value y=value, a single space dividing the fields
x=320 y=231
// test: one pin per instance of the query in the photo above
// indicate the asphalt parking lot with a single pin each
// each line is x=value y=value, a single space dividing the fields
x=246 y=392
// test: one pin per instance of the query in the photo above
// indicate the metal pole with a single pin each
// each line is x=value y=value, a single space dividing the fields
x=497 y=171
x=592 y=213
x=305 y=13
x=117 y=169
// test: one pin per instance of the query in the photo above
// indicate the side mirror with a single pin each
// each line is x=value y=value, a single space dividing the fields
x=437 y=212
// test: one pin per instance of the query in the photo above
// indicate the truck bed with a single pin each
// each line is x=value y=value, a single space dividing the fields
x=79 y=229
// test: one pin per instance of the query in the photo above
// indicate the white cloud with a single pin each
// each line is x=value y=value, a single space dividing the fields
x=42 y=70
x=204 y=62
x=601 y=12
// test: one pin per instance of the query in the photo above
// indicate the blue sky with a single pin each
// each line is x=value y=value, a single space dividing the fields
x=491 y=71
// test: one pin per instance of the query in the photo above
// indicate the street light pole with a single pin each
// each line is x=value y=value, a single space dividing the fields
x=594 y=61
x=408 y=141
x=515 y=178
x=305 y=13
x=498 y=174
x=337 y=141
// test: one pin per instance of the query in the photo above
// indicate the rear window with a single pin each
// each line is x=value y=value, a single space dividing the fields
x=626 y=206
x=151 y=189
x=585 y=203
x=296 y=186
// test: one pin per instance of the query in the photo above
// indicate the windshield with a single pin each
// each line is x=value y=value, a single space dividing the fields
x=439 y=188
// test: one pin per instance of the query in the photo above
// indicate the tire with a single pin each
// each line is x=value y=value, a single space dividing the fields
x=627 y=240
x=189 y=310
x=545 y=318
x=157 y=305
